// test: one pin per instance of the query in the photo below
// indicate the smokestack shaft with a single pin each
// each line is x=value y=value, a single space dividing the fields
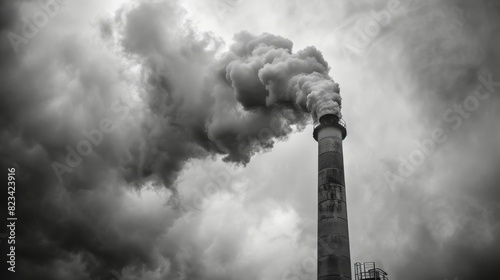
x=334 y=261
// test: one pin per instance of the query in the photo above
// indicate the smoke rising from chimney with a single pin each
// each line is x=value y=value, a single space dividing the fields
x=190 y=104
x=261 y=77
x=228 y=99
x=264 y=72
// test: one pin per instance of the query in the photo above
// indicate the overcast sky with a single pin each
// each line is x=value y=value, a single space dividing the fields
x=146 y=148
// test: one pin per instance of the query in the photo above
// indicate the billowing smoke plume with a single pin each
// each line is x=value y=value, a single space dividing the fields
x=267 y=79
x=265 y=73
x=84 y=121
x=234 y=106
x=175 y=95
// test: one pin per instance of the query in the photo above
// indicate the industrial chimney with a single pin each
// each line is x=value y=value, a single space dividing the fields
x=334 y=259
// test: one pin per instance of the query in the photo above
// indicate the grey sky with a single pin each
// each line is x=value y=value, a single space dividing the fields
x=419 y=83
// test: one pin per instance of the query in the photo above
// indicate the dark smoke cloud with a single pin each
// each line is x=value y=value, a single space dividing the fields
x=185 y=105
x=176 y=96
x=264 y=72
x=260 y=83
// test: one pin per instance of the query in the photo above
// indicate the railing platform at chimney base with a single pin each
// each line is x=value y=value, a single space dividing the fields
x=368 y=271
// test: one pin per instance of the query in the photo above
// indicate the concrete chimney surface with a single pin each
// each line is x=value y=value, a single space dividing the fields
x=333 y=237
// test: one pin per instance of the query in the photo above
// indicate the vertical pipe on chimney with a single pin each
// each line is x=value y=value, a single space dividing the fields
x=334 y=260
